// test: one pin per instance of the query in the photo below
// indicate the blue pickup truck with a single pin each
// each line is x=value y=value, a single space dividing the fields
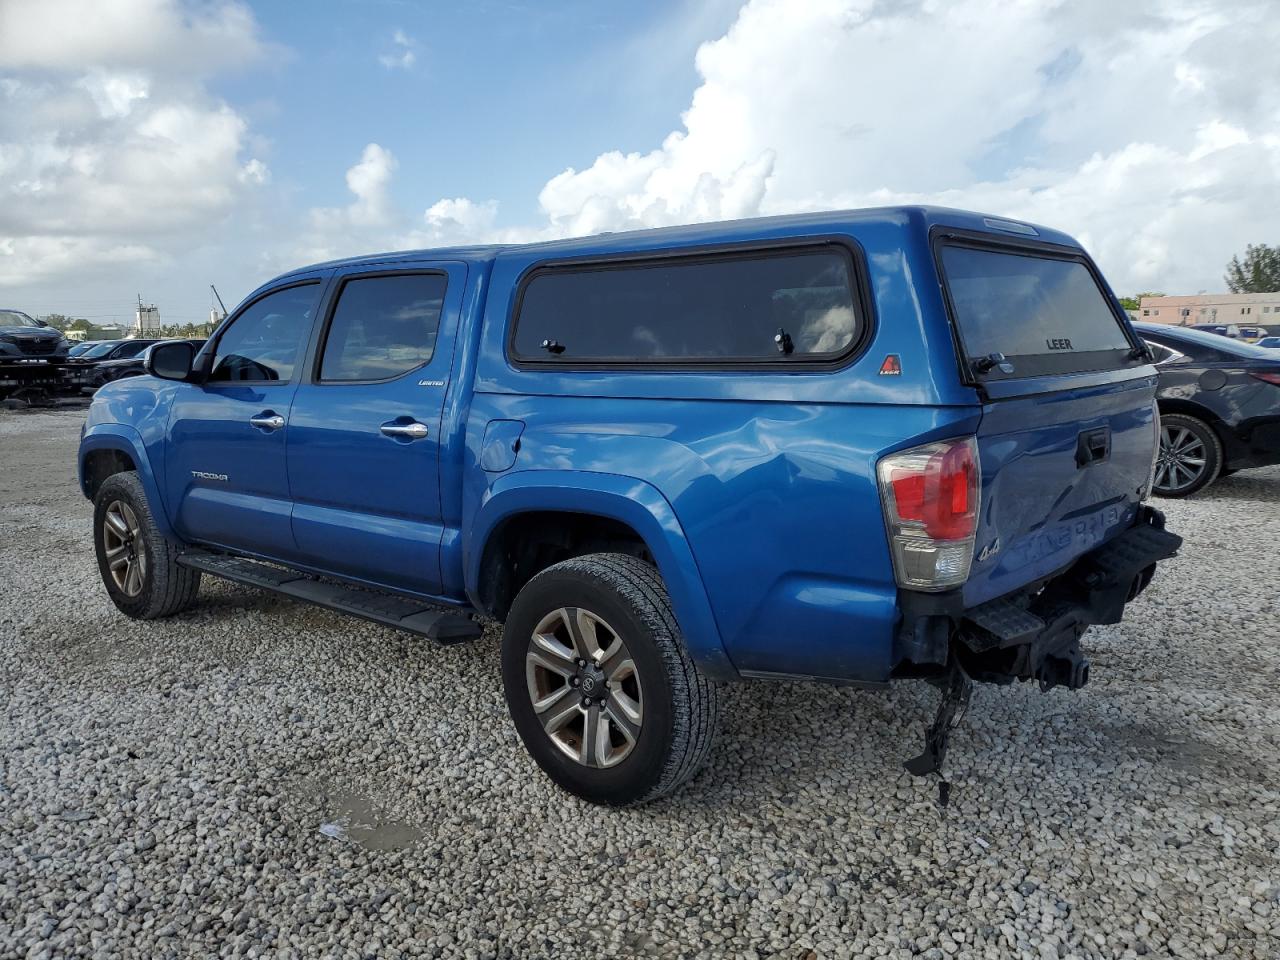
x=848 y=447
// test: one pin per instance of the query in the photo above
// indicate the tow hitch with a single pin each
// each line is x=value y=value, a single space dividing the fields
x=956 y=689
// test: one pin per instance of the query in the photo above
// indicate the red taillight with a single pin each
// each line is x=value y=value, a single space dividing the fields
x=908 y=494
x=1268 y=377
x=941 y=493
x=930 y=496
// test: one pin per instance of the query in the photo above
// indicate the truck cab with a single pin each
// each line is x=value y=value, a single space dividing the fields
x=849 y=447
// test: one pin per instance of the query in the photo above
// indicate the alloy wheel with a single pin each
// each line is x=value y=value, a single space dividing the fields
x=122 y=544
x=1181 y=460
x=585 y=689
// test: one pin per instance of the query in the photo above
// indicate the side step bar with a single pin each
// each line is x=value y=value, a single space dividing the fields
x=390 y=610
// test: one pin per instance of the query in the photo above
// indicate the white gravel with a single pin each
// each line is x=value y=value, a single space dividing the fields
x=263 y=779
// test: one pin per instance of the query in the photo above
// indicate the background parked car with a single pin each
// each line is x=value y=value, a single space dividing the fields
x=1219 y=407
x=121 y=367
x=23 y=337
x=1221 y=329
x=86 y=371
x=113 y=350
x=1250 y=334
x=84 y=346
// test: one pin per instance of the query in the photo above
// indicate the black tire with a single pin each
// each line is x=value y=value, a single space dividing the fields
x=1185 y=440
x=163 y=588
x=680 y=706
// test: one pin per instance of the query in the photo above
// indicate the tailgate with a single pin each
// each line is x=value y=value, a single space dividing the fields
x=1061 y=474
x=1068 y=430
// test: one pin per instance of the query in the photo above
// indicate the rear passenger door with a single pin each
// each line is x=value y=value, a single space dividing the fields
x=364 y=434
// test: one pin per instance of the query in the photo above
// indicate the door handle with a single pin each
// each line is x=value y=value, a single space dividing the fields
x=405 y=431
x=1093 y=446
x=267 y=421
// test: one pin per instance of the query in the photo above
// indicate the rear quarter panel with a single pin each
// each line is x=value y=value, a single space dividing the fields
x=770 y=474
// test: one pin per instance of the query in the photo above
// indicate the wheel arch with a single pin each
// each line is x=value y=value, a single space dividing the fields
x=629 y=511
x=1226 y=435
x=1189 y=408
x=111 y=448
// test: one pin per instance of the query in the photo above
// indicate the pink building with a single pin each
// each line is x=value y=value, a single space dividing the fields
x=1242 y=309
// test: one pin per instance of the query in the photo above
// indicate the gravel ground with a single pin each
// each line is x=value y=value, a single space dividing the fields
x=260 y=778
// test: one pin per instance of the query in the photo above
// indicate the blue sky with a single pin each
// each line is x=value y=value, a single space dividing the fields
x=501 y=95
x=155 y=146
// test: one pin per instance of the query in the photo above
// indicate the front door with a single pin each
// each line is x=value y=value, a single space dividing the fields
x=225 y=469
x=364 y=433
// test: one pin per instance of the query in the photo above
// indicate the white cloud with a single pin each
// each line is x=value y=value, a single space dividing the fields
x=371 y=221
x=111 y=149
x=369 y=180
x=254 y=172
x=34 y=259
x=125 y=34
x=366 y=223
x=402 y=55
x=459 y=219
x=1148 y=128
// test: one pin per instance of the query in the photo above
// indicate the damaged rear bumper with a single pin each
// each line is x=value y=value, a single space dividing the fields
x=1034 y=632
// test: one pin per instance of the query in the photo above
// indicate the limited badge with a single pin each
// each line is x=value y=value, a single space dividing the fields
x=892 y=366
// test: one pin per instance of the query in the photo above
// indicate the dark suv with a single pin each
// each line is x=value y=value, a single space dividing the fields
x=22 y=337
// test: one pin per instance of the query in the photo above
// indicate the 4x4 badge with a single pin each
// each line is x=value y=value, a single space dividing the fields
x=990 y=550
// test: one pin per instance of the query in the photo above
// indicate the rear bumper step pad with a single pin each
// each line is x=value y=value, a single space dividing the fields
x=390 y=610
x=1094 y=591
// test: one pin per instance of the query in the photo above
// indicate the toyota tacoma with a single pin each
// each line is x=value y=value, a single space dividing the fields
x=850 y=447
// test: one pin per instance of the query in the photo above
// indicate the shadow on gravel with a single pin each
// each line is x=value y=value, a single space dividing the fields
x=1180 y=748
x=1249 y=485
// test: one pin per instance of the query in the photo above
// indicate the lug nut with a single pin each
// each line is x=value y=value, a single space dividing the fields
x=586 y=704
x=575 y=681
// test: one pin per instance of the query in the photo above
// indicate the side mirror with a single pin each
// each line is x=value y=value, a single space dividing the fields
x=43 y=323
x=170 y=361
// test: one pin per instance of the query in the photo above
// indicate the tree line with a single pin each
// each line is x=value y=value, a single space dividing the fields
x=94 y=332
x=1257 y=272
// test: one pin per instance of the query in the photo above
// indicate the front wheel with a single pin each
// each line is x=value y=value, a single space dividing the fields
x=1190 y=456
x=599 y=684
x=138 y=564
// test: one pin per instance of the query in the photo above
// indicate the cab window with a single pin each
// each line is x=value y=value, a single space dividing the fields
x=383 y=327
x=263 y=343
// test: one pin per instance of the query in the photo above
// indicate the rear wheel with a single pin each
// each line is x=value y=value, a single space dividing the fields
x=138 y=564
x=600 y=686
x=1190 y=456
